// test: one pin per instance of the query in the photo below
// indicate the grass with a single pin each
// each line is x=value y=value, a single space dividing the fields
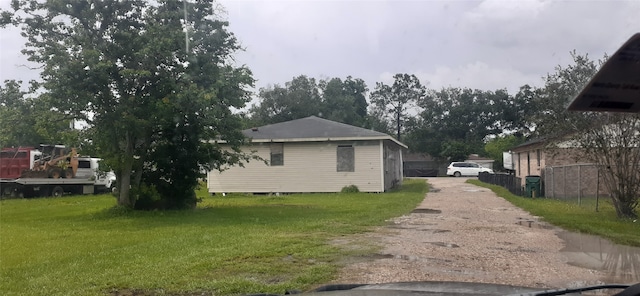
x=572 y=216
x=238 y=244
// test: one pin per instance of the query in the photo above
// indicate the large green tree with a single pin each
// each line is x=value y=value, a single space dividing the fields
x=395 y=100
x=334 y=99
x=345 y=101
x=496 y=146
x=26 y=120
x=298 y=98
x=609 y=140
x=513 y=112
x=154 y=87
x=549 y=115
x=455 y=122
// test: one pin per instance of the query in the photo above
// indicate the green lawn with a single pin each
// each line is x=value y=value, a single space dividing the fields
x=82 y=245
x=575 y=217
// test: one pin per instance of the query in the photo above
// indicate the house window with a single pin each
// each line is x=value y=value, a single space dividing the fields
x=346 y=158
x=538 y=156
x=528 y=163
x=277 y=155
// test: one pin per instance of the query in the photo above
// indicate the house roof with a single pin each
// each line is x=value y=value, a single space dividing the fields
x=476 y=157
x=530 y=143
x=313 y=128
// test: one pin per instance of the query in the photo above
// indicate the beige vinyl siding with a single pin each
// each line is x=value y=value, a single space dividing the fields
x=308 y=167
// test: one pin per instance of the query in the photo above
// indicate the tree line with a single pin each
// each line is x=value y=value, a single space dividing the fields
x=448 y=124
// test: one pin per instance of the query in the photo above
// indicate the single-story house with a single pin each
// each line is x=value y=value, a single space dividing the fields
x=530 y=158
x=313 y=155
x=564 y=170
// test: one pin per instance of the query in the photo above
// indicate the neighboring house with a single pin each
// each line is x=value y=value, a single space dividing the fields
x=313 y=155
x=529 y=158
x=532 y=157
x=481 y=161
x=422 y=165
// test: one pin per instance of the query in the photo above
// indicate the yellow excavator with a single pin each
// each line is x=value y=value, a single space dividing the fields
x=65 y=165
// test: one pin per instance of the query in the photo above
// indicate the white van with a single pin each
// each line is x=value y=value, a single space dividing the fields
x=458 y=169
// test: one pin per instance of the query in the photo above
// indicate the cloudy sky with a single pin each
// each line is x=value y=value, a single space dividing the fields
x=489 y=44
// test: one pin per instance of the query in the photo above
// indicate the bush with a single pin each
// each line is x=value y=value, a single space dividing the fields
x=350 y=189
x=146 y=197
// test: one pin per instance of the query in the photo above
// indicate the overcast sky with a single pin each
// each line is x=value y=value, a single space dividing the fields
x=488 y=45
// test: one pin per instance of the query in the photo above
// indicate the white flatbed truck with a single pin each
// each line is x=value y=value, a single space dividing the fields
x=87 y=179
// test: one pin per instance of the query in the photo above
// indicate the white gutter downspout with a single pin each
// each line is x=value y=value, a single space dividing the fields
x=401 y=166
x=382 y=164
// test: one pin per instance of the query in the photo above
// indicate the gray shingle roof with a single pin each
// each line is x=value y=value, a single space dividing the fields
x=310 y=128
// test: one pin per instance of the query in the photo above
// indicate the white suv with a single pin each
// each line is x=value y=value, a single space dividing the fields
x=458 y=169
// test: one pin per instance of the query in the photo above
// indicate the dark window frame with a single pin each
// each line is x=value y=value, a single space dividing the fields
x=276 y=154
x=345 y=158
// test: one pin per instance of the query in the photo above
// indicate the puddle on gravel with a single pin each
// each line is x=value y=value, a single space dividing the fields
x=409 y=258
x=433 y=189
x=440 y=230
x=426 y=211
x=434 y=231
x=620 y=263
x=443 y=244
x=467 y=189
x=534 y=224
x=430 y=230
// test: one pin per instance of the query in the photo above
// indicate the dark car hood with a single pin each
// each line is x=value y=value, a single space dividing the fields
x=423 y=288
x=445 y=288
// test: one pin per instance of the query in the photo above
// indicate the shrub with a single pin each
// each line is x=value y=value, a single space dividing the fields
x=350 y=189
x=146 y=197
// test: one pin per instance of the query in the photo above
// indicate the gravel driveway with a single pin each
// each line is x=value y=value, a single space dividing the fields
x=462 y=232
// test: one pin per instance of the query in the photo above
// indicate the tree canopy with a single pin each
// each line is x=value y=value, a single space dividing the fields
x=334 y=99
x=30 y=121
x=298 y=98
x=394 y=101
x=461 y=119
x=549 y=115
x=152 y=98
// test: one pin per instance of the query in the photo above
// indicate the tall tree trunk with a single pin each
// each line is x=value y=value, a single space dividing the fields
x=398 y=122
x=124 y=198
x=125 y=186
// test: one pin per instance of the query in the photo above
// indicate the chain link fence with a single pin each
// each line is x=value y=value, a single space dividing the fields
x=578 y=183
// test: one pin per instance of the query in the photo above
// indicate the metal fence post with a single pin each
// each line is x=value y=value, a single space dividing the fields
x=564 y=182
x=553 y=183
x=579 y=185
x=597 y=187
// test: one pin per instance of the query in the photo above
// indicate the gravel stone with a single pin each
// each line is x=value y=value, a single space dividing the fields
x=461 y=232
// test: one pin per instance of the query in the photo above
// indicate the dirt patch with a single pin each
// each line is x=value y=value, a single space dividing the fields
x=466 y=233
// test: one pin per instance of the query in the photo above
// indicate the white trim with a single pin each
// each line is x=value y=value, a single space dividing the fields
x=401 y=166
x=321 y=140
x=382 y=164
